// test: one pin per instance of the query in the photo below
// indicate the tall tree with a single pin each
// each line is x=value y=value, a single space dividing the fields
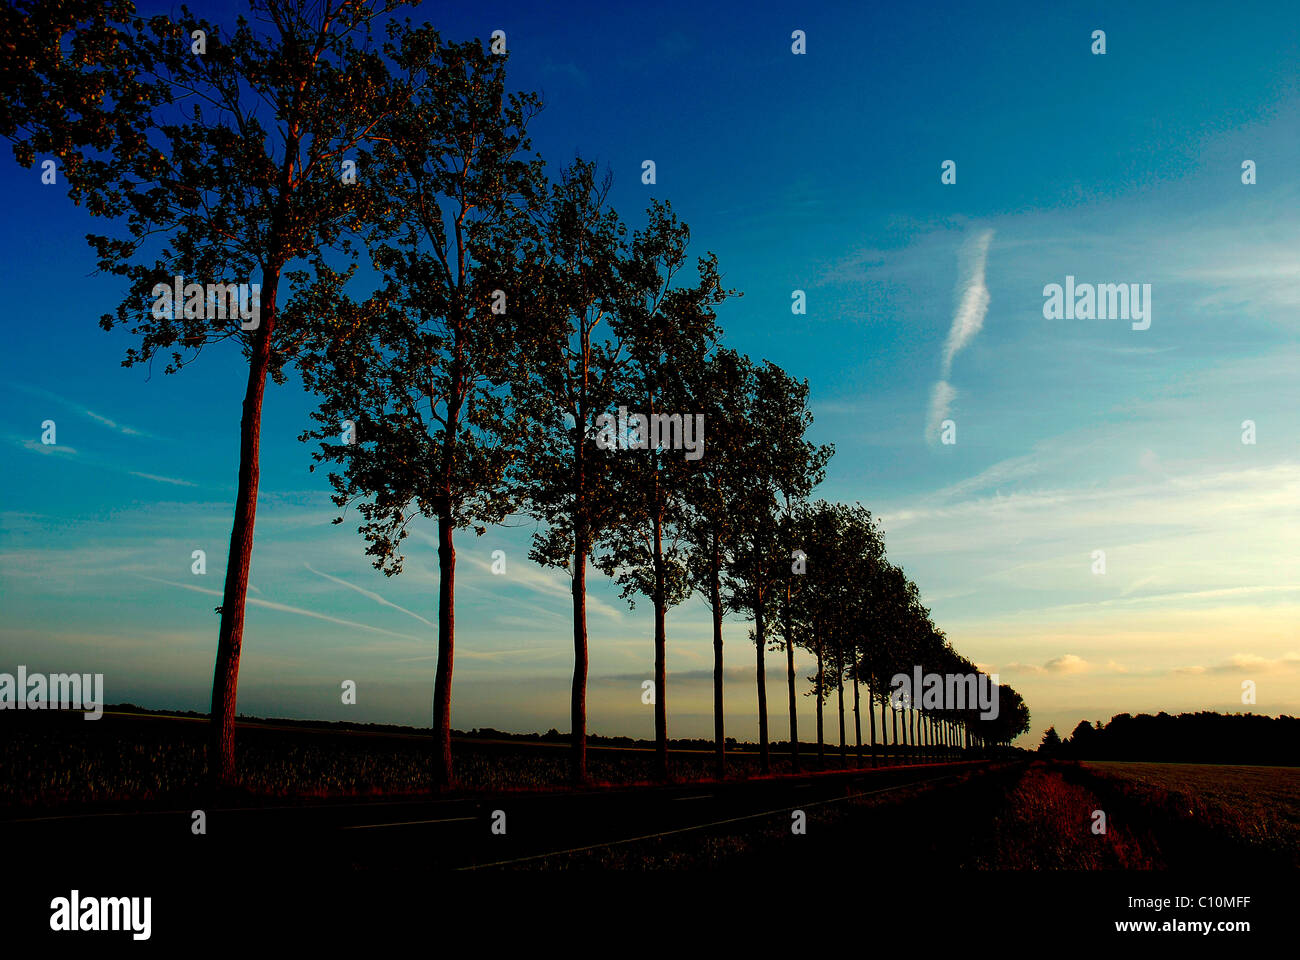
x=200 y=187
x=862 y=560
x=789 y=626
x=574 y=379
x=667 y=330
x=779 y=460
x=721 y=393
x=421 y=369
x=815 y=609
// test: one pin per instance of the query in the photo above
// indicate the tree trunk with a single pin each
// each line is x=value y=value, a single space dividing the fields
x=844 y=755
x=894 y=714
x=578 y=701
x=443 y=774
x=884 y=729
x=765 y=759
x=661 y=666
x=871 y=716
x=821 y=698
x=719 y=749
x=789 y=676
x=230 y=635
x=581 y=547
x=857 y=716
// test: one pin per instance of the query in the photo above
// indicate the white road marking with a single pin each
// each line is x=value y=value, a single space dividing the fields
x=408 y=823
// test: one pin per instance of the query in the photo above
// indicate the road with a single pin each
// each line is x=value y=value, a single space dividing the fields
x=508 y=829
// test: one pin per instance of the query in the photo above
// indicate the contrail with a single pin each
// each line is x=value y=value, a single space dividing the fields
x=967 y=321
x=368 y=593
x=285 y=608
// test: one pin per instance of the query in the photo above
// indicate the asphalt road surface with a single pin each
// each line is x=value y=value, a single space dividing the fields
x=509 y=829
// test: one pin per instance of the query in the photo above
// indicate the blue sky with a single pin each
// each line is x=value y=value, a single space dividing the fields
x=818 y=172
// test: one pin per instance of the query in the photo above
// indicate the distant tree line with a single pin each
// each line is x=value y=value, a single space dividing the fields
x=1202 y=737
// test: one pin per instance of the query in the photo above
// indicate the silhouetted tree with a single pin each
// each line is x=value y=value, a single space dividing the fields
x=1051 y=742
x=574 y=379
x=666 y=331
x=421 y=368
x=721 y=393
x=172 y=145
x=777 y=460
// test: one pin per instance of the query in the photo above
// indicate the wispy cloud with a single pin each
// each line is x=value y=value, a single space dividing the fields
x=538 y=581
x=81 y=409
x=973 y=302
x=285 y=608
x=522 y=654
x=967 y=321
x=1066 y=664
x=60 y=449
x=63 y=450
x=112 y=424
x=368 y=593
x=1246 y=663
x=942 y=395
x=1069 y=663
x=153 y=476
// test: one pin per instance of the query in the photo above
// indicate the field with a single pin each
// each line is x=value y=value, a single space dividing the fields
x=61 y=763
x=1256 y=806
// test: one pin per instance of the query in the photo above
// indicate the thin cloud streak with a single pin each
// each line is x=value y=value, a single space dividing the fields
x=285 y=608
x=967 y=321
x=83 y=410
x=974 y=303
x=536 y=580
x=368 y=593
x=159 y=479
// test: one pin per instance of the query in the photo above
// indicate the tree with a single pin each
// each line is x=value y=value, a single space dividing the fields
x=421 y=369
x=568 y=477
x=667 y=332
x=843 y=551
x=862 y=552
x=173 y=145
x=1051 y=742
x=813 y=537
x=777 y=461
x=721 y=393
x=1082 y=742
x=896 y=612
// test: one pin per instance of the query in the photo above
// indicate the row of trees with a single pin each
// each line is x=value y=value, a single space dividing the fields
x=462 y=375
x=863 y=621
